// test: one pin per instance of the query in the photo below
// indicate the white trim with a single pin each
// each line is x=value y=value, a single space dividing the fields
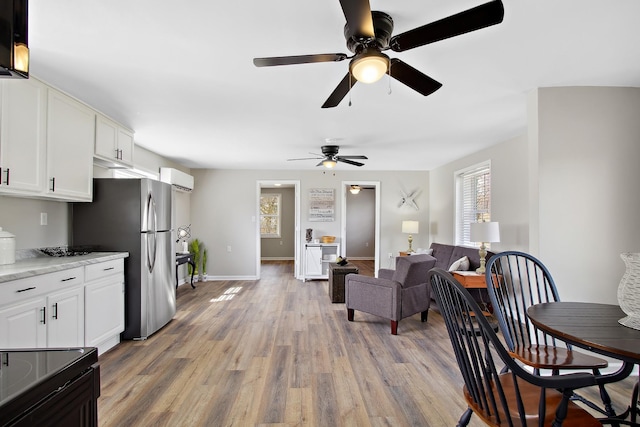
x=297 y=267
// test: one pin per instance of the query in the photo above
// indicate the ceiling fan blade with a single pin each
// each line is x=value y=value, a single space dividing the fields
x=351 y=162
x=473 y=19
x=413 y=78
x=354 y=157
x=340 y=91
x=298 y=59
x=358 y=15
x=306 y=158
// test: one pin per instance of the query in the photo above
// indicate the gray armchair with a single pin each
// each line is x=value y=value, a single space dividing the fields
x=394 y=294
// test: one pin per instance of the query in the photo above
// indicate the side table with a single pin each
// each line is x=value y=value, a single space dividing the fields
x=183 y=259
x=336 y=280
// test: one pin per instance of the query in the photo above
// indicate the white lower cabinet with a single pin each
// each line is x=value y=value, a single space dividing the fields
x=104 y=304
x=317 y=257
x=23 y=325
x=104 y=320
x=65 y=318
x=79 y=307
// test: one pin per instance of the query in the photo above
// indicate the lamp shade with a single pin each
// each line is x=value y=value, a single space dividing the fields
x=410 y=227
x=485 y=232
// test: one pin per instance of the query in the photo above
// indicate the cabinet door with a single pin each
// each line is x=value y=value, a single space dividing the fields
x=125 y=145
x=70 y=141
x=23 y=325
x=313 y=261
x=104 y=310
x=22 y=136
x=65 y=323
x=106 y=138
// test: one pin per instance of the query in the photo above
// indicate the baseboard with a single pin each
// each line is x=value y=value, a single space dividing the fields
x=361 y=258
x=275 y=258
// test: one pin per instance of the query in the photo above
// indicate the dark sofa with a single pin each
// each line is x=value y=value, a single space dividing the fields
x=446 y=255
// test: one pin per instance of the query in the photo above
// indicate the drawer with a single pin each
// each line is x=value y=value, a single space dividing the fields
x=22 y=289
x=104 y=269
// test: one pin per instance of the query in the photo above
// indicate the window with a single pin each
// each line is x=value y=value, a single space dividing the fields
x=473 y=200
x=270 y=215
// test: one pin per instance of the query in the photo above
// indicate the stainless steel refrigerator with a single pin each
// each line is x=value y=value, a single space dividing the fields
x=134 y=215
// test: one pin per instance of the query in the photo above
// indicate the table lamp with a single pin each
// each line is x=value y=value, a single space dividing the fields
x=410 y=227
x=484 y=232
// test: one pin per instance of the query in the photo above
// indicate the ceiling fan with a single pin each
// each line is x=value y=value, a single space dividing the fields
x=368 y=33
x=329 y=157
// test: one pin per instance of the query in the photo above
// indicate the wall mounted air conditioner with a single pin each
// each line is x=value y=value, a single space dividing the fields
x=180 y=180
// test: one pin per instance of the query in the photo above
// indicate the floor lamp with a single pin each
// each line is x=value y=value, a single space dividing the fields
x=484 y=232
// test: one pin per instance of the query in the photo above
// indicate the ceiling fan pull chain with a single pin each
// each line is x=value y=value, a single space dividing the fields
x=350 y=89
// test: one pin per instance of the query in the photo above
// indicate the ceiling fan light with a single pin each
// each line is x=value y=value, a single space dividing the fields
x=369 y=66
x=329 y=163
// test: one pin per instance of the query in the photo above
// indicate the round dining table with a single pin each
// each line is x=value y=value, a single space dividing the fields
x=594 y=327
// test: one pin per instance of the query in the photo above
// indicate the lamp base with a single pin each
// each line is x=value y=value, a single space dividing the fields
x=483 y=262
x=410 y=250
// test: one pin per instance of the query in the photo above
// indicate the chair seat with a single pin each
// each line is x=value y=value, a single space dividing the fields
x=549 y=357
x=530 y=394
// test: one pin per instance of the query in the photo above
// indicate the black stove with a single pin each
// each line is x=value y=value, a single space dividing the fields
x=29 y=377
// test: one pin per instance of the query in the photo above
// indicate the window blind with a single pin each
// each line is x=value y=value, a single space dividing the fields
x=473 y=201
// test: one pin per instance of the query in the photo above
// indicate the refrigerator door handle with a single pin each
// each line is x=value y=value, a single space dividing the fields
x=151 y=234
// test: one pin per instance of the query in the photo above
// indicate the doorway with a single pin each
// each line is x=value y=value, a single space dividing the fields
x=293 y=210
x=369 y=212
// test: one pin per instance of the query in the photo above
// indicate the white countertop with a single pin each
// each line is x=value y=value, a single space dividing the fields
x=35 y=266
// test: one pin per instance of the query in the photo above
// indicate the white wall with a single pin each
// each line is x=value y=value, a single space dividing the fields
x=509 y=194
x=588 y=153
x=21 y=217
x=566 y=190
x=224 y=211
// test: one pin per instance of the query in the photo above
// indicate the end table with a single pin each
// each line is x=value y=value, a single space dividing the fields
x=336 y=280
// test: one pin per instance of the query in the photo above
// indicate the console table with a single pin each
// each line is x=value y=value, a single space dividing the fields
x=185 y=259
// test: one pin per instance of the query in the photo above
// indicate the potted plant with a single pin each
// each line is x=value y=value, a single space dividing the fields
x=204 y=265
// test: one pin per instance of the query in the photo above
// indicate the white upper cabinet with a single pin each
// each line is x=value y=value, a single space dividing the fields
x=114 y=144
x=70 y=141
x=23 y=136
x=49 y=141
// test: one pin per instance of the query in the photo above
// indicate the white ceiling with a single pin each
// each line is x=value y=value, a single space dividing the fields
x=180 y=74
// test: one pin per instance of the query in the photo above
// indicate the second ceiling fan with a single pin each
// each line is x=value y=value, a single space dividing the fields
x=368 y=34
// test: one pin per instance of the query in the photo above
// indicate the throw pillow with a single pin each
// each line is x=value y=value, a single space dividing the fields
x=424 y=251
x=460 y=265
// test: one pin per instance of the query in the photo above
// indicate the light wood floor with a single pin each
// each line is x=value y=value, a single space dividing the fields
x=278 y=352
